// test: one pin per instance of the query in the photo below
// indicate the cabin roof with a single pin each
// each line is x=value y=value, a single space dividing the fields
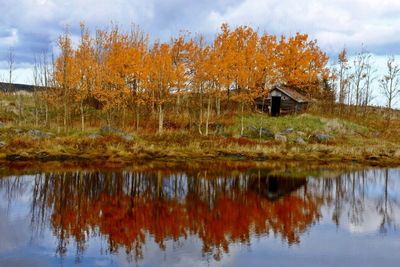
x=292 y=93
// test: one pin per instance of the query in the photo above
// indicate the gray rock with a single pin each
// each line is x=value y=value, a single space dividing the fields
x=94 y=136
x=301 y=133
x=287 y=131
x=3 y=143
x=300 y=141
x=255 y=132
x=38 y=134
x=281 y=138
x=219 y=128
x=127 y=137
x=108 y=130
x=321 y=138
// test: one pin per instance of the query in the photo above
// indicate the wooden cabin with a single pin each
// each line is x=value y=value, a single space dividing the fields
x=282 y=100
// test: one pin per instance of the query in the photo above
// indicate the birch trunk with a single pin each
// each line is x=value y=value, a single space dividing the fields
x=160 y=118
x=208 y=113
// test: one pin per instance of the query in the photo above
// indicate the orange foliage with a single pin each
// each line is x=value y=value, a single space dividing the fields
x=126 y=210
x=116 y=71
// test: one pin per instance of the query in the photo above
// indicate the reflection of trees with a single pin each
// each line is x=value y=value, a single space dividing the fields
x=126 y=207
x=348 y=194
x=12 y=188
x=385 y=205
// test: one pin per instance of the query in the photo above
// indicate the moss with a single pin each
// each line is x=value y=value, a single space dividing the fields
x=305 y=123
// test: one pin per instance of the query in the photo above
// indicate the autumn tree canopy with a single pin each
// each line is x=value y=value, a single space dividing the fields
x=114 y=71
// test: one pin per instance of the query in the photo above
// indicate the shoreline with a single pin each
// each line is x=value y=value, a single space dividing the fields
x=382 y=160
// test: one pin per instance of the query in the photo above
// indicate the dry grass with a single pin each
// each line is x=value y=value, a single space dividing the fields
x=366 y=139
x=366 y=151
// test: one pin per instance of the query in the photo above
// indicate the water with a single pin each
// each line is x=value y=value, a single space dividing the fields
x=166 y=216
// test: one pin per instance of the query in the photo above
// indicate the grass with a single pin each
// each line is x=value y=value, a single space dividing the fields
x=352 y=140
x=307 y=123
x=186 y=146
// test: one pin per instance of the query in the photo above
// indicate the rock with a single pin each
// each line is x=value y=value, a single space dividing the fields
x=281 y=138
x=266 y=133
x=321 y=138
x=3 y=143
x=219 y=128
x=94 y=136
x=301 y=133
x=287 y=131
x=38 y=134
x=127 y=137
x=255 y=132
x=108 y=130
x=16 y=157
x=300 y=141
x=17 y=130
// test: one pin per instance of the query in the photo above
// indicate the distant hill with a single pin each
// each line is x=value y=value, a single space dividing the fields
x=17 y=87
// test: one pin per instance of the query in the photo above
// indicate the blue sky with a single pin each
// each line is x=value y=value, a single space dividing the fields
x=32 y=26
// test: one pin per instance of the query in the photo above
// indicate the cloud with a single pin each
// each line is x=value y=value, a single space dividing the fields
x=335 y=24
x=33 y=26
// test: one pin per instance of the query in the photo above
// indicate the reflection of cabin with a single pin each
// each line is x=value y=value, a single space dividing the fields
x=274 y=187
x=282 y=100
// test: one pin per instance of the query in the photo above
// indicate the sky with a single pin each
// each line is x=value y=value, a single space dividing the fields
x=30 y=27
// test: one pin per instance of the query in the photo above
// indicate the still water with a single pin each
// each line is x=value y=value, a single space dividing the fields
x=200 y=217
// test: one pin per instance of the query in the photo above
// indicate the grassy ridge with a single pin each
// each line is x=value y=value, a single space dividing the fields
x=349 y=142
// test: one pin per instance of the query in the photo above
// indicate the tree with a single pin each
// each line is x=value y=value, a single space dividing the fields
x=201 y=70
x=343 y=75
x=246 y=71
x=11 y=69
x=302 y=64
x=86 y=68
x=42 y=77
x=66 y=74
x=267 y=62
x=137 y=71
x=359 y=76
x=112 y=90
x=161 y=78
x=367 y=93
x=390 y=83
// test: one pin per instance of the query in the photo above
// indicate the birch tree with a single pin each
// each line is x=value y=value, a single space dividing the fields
x=390 y=83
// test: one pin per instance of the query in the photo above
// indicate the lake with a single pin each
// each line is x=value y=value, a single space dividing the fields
x=207 y=215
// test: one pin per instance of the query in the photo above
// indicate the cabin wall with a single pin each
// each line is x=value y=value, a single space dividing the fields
x=288 y=105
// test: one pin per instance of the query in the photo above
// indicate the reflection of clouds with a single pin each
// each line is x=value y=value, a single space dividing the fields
x=370 y=201
x=13 y=233
x=181 y=253
x=28 y=261
x=369 y=223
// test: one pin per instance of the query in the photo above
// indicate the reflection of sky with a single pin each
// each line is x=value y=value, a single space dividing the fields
x=324 y=244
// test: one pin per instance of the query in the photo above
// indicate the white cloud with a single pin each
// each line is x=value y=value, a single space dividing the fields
x=333 y=23
x=8 y=37
x=32 y=26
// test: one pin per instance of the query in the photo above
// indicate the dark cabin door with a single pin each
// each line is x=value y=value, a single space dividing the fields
x=275 y=106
